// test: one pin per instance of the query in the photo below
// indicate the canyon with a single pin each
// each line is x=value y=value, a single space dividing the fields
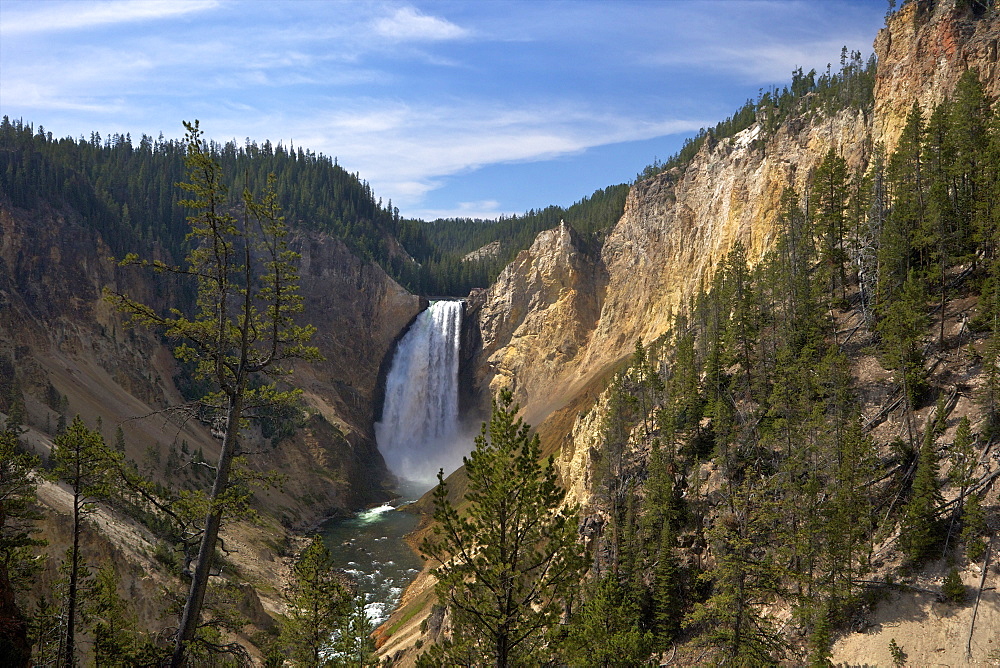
x=554 y=326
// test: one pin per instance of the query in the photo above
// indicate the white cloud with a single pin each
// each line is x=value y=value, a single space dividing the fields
x=407 y=24
x=46 y=17
x=761 y=42
x=37 y=95
x=406 y=151
x=758 y=62
x=570 y=83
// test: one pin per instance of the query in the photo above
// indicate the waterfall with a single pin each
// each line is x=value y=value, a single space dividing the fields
x=419 y=432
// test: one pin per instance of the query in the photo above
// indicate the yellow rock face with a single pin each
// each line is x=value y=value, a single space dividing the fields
x=921 y=57
x=558 y=315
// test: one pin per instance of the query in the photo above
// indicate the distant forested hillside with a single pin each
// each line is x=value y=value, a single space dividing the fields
x=128 y=192
x=441 y=245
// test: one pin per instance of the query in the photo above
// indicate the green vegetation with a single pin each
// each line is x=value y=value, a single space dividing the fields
x=326 y=625
x=735 y=474
x=83 y=461
x=809 y=94
x=755 y=377
x=127 y=192
x=17 y=517
x=243 y=325
x=440 y=246
x=511 y=560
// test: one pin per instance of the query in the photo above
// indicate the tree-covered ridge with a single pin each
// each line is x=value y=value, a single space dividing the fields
x=440 y=246
x=128 y=191
x=809 y=94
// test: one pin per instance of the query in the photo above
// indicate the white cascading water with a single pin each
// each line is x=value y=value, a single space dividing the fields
x=419 y=432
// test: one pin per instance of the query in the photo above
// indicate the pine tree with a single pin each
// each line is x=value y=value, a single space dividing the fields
x=906 y=185
x=962 y=455
x=17 y=500
x=668 y=600
x=86 y=464
x=744 y=577
x=920 y=531
x=604 y=631
x=247 y=287
x=613 y=484
x=936 y=242
x=318 y=606
x=829 y=209
x=901 y=329
x=511 y=560
x=821 y=640
x=117 y=642
x=973 y=527
x=973 y=169
x=354 y=646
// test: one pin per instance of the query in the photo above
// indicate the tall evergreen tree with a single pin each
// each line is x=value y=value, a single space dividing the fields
x=247 y=284
x=86 y=464
x=509 y=563
x=354 y=646
x=744 y=578
x=318 y=605
x=906 y=186
x=901 y=328
x=920 y=531
x=604 y=630
x=17 y=499
x=828 y=206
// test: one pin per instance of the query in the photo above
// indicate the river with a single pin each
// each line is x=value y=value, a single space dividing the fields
x=371 y=549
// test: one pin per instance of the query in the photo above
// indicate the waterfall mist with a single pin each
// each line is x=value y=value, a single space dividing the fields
x=419 y=432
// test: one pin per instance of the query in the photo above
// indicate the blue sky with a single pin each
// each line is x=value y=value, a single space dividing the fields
x=446 y=108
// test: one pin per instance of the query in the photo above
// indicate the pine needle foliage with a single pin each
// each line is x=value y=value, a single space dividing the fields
x=509 y=563
x=318 y=605
x=243 y=325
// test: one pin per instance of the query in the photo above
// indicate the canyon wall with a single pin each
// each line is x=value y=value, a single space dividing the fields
x=560 y=316
x=923 y=50
x=63 y=339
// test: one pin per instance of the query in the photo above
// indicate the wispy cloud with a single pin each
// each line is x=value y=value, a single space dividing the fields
x=408 y=151
x=406 y=24
x=50 y=16
x=485 y=210
x=399 y=91
x=760 y=41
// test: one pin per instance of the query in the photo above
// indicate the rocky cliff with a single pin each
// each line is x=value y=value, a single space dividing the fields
x=73 y=354
x=922 y=52
x=676 y=230
x=537 y=318
x=559 y=316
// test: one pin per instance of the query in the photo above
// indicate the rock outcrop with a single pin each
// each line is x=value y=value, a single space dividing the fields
x=537 y=317
x=488 y=252
x=558 y=316
x=922 y=52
